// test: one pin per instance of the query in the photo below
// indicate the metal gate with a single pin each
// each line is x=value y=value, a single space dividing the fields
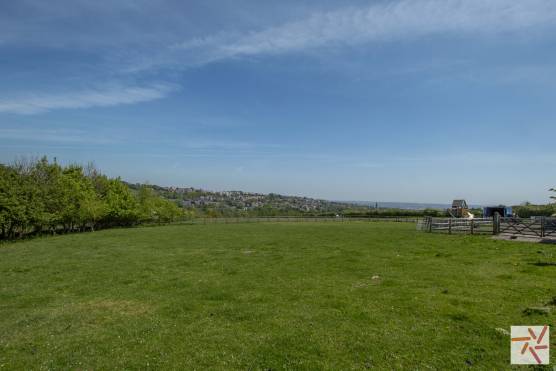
x=550 y=227
x=534 y=227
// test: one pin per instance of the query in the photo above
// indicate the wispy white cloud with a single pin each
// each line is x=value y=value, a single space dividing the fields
x=60 y=136
x=141 y=49
x=112 y=96
x=406 y=19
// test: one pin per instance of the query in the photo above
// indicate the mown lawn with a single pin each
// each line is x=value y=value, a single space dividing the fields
x=269 y=296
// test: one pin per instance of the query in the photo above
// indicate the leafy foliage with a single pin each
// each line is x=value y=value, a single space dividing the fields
x=526 y=211
x=43 y=197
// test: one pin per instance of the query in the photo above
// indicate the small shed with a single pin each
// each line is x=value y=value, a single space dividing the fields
x=503 y=211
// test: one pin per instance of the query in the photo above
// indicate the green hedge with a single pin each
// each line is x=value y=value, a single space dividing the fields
x=43 y=197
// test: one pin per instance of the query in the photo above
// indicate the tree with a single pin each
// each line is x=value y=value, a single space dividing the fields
x=167 y=211
x=92 y=210
x=11 y=203
x=121 y=205
x=38 y=196
x=47 y=178
x=154 y=208
x=146 y=198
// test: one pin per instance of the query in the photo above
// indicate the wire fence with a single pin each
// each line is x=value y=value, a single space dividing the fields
x=299 y=219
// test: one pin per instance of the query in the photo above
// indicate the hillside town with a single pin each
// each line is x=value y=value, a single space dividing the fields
x=194 y=198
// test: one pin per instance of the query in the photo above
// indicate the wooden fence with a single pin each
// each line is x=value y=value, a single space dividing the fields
x=539 y=227
x=455 y=225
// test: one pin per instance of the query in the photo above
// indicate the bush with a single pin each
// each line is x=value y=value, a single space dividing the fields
x=39 y=196
x=527 y=211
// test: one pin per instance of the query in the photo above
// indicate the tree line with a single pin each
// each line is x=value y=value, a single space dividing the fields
x=42 y=197
x=529 y=210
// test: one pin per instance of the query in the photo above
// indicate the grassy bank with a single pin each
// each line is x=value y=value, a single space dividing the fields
x=268 y=296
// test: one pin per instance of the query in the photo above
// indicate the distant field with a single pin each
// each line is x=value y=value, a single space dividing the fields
x=269 y=296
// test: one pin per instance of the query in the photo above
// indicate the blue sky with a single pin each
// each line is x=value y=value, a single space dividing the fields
x=417 y=101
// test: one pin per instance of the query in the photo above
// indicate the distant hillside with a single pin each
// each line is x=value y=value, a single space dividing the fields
x=233 y=201
x=239 y=203
x=405 y=205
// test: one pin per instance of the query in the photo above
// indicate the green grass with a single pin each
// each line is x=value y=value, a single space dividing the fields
x=269 y=296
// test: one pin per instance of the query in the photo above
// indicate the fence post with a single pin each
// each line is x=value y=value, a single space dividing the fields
x=543 y=220
x=496 y=224
x=429 y=220
x=472 y=227
x=450 y=226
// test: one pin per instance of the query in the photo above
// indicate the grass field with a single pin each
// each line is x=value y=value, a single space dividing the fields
x=269 y=296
